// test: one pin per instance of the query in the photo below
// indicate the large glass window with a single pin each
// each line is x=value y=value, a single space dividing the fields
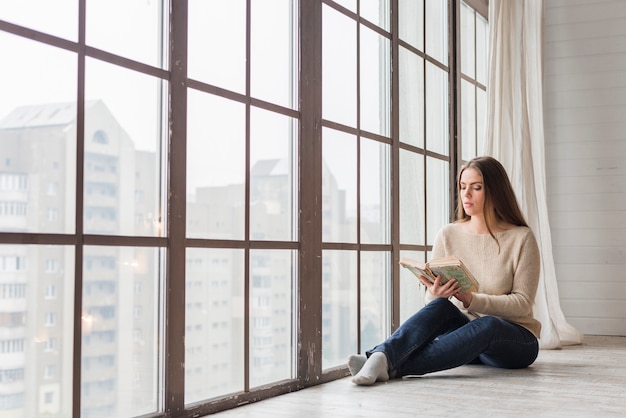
x=203 y=203
x=473 y=48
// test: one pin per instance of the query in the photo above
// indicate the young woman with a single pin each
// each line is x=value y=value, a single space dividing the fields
x=493 y=326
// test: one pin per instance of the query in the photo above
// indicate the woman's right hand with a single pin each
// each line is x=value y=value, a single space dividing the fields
x=438 y=290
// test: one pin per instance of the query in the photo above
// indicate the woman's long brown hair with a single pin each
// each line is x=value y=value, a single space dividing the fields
x=500 y=201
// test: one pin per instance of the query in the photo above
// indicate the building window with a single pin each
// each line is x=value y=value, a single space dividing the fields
x=53 y=215
x=100 y=137
x=49 y=371
x=50 y=319
x=50 y=345
x=52 y=266
x=51 y=292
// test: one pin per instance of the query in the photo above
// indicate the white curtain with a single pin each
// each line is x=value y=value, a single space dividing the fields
x=515 y=136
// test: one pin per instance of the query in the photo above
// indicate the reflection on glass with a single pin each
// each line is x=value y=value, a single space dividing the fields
x=122 y=152
x=36 y=334
x=339 y=307
x=339 y=169
x=272 y=142
x=375 y=192
x=375 y=298
x=468 y=120
x=411 y=291
x=437 y=190
x=411 y=98
x=217 y=43
x=120 y=330
x=437 y=30
x=271 y=316
x=59 y=17
x=338 y=67
x=214 y=323
x=273 y=57
x=131 y=29
x=378 y=12
x=37 y=138
x=375 y=82
x=411 y=22
x=437 y=129
x=216 y=132
x=412 y=207
x=468 y=54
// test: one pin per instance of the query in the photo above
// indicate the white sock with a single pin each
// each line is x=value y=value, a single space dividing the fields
x=374 y=369
x=356 y=362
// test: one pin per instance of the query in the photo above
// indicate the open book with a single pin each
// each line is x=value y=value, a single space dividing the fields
x=449 y=267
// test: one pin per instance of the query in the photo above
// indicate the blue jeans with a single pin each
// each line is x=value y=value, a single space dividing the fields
x=439 y=337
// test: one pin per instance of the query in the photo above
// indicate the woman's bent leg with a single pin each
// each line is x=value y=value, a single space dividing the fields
x=437 y=318
x=494 y=341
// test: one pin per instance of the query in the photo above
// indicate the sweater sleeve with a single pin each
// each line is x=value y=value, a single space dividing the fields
x=517 y=303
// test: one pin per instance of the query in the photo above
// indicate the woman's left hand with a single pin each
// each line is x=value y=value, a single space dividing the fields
x=465 y=297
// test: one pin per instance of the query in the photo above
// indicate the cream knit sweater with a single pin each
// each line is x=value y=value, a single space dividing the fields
x=507 y=278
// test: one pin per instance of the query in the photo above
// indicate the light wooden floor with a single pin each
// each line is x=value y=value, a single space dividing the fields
x=587 y=380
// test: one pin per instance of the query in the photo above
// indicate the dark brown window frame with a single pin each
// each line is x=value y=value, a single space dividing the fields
x=309 y=246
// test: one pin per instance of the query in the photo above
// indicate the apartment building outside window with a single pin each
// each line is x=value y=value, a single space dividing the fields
x=204 y=203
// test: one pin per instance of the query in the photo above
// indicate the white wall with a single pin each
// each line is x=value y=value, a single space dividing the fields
x=585 y=128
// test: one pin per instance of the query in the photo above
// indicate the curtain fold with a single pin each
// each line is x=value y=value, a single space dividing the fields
x=515 y=136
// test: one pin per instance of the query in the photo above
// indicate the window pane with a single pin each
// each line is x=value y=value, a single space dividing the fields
x=217 y=43
x=375 y=82
x=411 y=292
x=411 y=98
x=214 y=325
x=437 y=30
x=438 y=202
x=467 y=40
x=377 y=12
x=132 y=29
x=482 y=49
x=272 y=208
x=122 y=152
x=412 y=207
x=216 y=132
x=339 y=169
x=272 y=342
x=411 y=21
x=375 y=298
x=37 y=300
x=375 y=192
x=37 y=137
x=121 y=327
x=59 y=17
x=338 y=67
x=481 y=120
x=468 y=120
x=339 y=307
x=437 y=128
x=273 y=58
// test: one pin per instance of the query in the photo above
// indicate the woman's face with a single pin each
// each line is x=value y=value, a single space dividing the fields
x=472 y=193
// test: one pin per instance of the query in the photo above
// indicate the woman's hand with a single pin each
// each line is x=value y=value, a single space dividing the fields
x=465 y=297
x=438 y=290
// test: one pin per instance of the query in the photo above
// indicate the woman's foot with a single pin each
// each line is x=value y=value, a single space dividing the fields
x=374 y=370
x=356 y=362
